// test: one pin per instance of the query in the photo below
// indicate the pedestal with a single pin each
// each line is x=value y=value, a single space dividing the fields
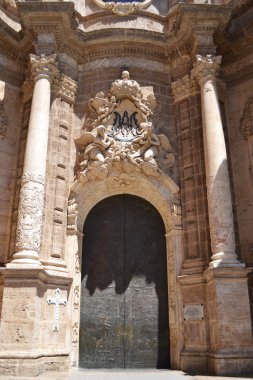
x=231 y=343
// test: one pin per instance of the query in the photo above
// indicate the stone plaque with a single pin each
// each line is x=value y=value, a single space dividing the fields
x=194 y=312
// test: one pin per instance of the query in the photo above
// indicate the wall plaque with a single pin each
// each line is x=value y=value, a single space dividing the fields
x=194 y=312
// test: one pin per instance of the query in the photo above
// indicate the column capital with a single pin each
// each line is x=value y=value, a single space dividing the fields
x=44 y=66
x=183 y=88
x=206 y=68
x=66 y=88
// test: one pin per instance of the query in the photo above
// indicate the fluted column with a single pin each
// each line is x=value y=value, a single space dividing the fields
x=221 y=223
x=31 y=203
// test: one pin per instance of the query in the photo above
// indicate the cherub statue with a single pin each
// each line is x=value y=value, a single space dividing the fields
x=95 y=149
x=151 y=149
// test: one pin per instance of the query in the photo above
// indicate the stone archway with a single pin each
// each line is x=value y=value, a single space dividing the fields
x=162 y=194
x=120 y=153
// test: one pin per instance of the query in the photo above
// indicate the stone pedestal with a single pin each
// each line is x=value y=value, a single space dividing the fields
x=29 y=344
x=231 y=344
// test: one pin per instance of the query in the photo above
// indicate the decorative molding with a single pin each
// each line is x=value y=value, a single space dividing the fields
x=125 y=7
x=3 y=120
x=184 y=88
x=32 y=177
x=246 y=122
x=66 y=89
x=206 y=68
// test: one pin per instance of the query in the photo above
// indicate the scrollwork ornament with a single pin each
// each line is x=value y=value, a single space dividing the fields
x=30 y=217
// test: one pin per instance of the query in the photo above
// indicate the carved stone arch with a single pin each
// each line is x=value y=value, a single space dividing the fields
x=162 y=194
x=113 y=158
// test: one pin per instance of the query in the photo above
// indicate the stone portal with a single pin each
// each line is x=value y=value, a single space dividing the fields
x=124 y=295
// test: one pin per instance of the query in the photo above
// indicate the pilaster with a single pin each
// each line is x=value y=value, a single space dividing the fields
x=185 y=92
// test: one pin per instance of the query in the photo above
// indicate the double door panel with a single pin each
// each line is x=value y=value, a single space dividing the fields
x=124 y=308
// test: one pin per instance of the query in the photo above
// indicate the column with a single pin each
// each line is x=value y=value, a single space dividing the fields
x=217 y=178
x=31 y=203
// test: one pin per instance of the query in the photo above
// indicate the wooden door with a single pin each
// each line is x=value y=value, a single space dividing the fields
x=124 y=307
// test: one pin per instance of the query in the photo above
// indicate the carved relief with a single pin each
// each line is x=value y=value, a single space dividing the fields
x=30 y=215
x=246 y=128
x=3 y=120
x=122 y=136
x=184 y=88
x=246 y=122
x=123 y=7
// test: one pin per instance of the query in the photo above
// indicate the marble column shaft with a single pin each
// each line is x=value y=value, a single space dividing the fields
x=31 y=204
x=217 y=176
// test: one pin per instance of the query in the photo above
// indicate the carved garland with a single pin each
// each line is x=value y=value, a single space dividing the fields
x=123 y=8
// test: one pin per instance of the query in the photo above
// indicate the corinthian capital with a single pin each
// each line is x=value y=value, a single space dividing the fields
x=44 y=66
x=206 y=68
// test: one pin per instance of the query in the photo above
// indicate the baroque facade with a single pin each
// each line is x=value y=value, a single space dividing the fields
x=107 y=100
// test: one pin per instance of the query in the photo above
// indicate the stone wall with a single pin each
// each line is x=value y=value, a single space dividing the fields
x=10 y=122
x=237 y=96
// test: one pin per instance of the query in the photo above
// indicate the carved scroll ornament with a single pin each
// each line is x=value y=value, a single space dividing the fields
x=122 y=136
x=124 y=7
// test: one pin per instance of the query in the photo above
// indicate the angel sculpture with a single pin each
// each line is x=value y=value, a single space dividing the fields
x=151 y=149
x=95 y=152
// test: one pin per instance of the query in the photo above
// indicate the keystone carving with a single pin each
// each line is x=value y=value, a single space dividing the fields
x=122 y=136
x=124 y=7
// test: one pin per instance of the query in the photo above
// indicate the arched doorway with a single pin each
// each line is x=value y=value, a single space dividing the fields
x=124 y=295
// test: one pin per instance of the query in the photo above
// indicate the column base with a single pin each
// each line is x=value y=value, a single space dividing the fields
x=27 y=366
x=29 y=343
x=25 y=258
x=230 y=328
x=225 y=260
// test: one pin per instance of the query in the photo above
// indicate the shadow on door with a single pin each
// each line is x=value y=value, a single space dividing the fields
x=124 y=296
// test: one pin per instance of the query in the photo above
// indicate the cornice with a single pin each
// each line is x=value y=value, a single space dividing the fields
x=194 y=29
x=83 y=46
x=186 y=31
